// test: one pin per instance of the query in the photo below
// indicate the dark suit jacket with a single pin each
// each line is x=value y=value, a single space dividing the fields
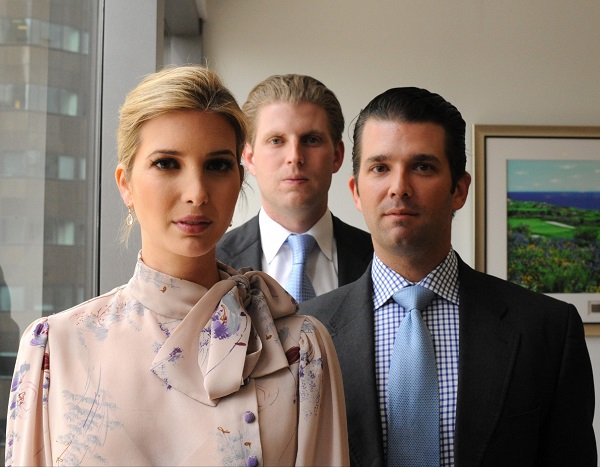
x=525 y=386
x=241 y=248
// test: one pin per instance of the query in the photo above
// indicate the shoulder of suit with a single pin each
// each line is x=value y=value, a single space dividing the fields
x=351 y=234
x=331 y=299
x=239 y=238
x=338 y=308
x=471 y=279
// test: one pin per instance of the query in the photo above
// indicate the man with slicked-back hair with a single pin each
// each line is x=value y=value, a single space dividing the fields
x=506 y=377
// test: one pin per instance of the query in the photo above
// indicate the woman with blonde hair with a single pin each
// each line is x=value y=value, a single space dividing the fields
x=191 y=362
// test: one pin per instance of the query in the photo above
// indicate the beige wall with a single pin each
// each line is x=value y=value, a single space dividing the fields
x=533 y=62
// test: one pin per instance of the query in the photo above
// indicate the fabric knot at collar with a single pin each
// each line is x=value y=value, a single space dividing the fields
x=229 y=335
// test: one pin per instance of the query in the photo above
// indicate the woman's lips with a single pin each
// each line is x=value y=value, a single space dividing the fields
x=193 y=224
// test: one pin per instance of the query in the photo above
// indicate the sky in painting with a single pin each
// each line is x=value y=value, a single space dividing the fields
x=548 y=175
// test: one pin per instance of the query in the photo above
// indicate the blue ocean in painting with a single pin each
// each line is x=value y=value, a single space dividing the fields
x=568 y=199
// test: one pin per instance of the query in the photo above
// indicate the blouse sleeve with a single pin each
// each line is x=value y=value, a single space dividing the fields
x=322 y=428
x=27 y=440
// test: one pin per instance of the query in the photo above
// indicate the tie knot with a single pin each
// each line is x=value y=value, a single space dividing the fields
x=301 y=246
x=413 y=297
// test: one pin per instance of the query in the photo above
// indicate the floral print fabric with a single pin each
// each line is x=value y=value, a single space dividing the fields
x=162 y=371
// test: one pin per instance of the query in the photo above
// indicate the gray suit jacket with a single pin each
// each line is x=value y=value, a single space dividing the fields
x=241 y=248
x=525 y=386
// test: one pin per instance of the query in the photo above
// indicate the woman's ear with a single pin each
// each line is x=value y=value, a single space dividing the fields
x=242 y=174
x=123 y=185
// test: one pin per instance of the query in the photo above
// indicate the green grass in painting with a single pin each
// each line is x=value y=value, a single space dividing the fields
x=553 y=249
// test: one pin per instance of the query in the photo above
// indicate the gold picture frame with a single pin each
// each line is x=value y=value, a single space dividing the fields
x=495 y=146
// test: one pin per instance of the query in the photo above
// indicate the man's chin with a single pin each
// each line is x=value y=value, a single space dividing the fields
x=298 y=200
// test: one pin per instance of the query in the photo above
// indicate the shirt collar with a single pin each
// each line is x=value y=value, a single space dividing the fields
x=274 y=235
x=225 y=335
x=443 y=280
x=165 y=295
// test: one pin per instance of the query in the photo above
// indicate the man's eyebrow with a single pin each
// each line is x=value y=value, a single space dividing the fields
x=272 y=134
x=419 y=157
x=276 y=132
x=377 y=158
x=425 y=157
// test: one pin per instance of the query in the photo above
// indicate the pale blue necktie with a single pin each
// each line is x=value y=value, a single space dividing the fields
x=299 y=285
x=413 y=399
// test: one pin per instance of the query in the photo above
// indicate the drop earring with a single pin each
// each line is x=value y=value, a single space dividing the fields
x=129 y=218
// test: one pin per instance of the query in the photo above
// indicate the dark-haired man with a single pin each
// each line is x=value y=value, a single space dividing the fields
x=511 y=368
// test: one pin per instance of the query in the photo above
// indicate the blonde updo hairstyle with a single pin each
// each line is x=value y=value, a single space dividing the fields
x=174 y=88
x=189 y=87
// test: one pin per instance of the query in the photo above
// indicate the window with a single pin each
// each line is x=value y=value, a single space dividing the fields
x=48 y=161
x=57 y=248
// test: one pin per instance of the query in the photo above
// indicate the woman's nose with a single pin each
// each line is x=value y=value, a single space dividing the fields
x=195 y=191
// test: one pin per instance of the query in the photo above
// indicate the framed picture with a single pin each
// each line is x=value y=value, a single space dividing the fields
x=537 y=211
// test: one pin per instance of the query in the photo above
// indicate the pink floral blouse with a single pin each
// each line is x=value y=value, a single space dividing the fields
x=162 y=371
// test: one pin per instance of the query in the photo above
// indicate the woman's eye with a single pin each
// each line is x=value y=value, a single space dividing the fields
x=220 y=165
x=165 y=164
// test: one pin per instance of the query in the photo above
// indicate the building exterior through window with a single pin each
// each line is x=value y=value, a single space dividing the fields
x=48 y=166
x=66 y=68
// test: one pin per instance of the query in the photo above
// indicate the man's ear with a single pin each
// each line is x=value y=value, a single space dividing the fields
x=248 y=156
x=123 y=185
x=338 y=156
x=461 y=192
x=353 y=184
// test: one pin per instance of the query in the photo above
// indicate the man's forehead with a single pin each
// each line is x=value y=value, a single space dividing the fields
x=283 y=115
x=289 y=106
x=392 y=127
x=386 y=137
x=376 y=119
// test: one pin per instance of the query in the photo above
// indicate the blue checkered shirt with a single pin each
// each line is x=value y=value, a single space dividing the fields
x=441 y=317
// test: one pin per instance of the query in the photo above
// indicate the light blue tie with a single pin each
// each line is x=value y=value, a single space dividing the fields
x=299 y=285
x=413 y=411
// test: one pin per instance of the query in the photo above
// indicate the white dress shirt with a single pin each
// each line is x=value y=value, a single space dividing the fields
x=321 y=265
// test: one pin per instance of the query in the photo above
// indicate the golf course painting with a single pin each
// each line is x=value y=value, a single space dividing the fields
x=553 y=225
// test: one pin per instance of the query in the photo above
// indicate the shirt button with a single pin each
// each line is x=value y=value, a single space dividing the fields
x=252 y=461
x=249 y=417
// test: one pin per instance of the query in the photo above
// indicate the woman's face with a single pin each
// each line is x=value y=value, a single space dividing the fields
x=183 y=187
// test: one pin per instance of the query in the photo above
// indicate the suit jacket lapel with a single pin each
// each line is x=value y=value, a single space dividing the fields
x=351 y=261
x=252 y=253
x=241 y=247
x=345 y=264
x=352 y=330
x=487 y=351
